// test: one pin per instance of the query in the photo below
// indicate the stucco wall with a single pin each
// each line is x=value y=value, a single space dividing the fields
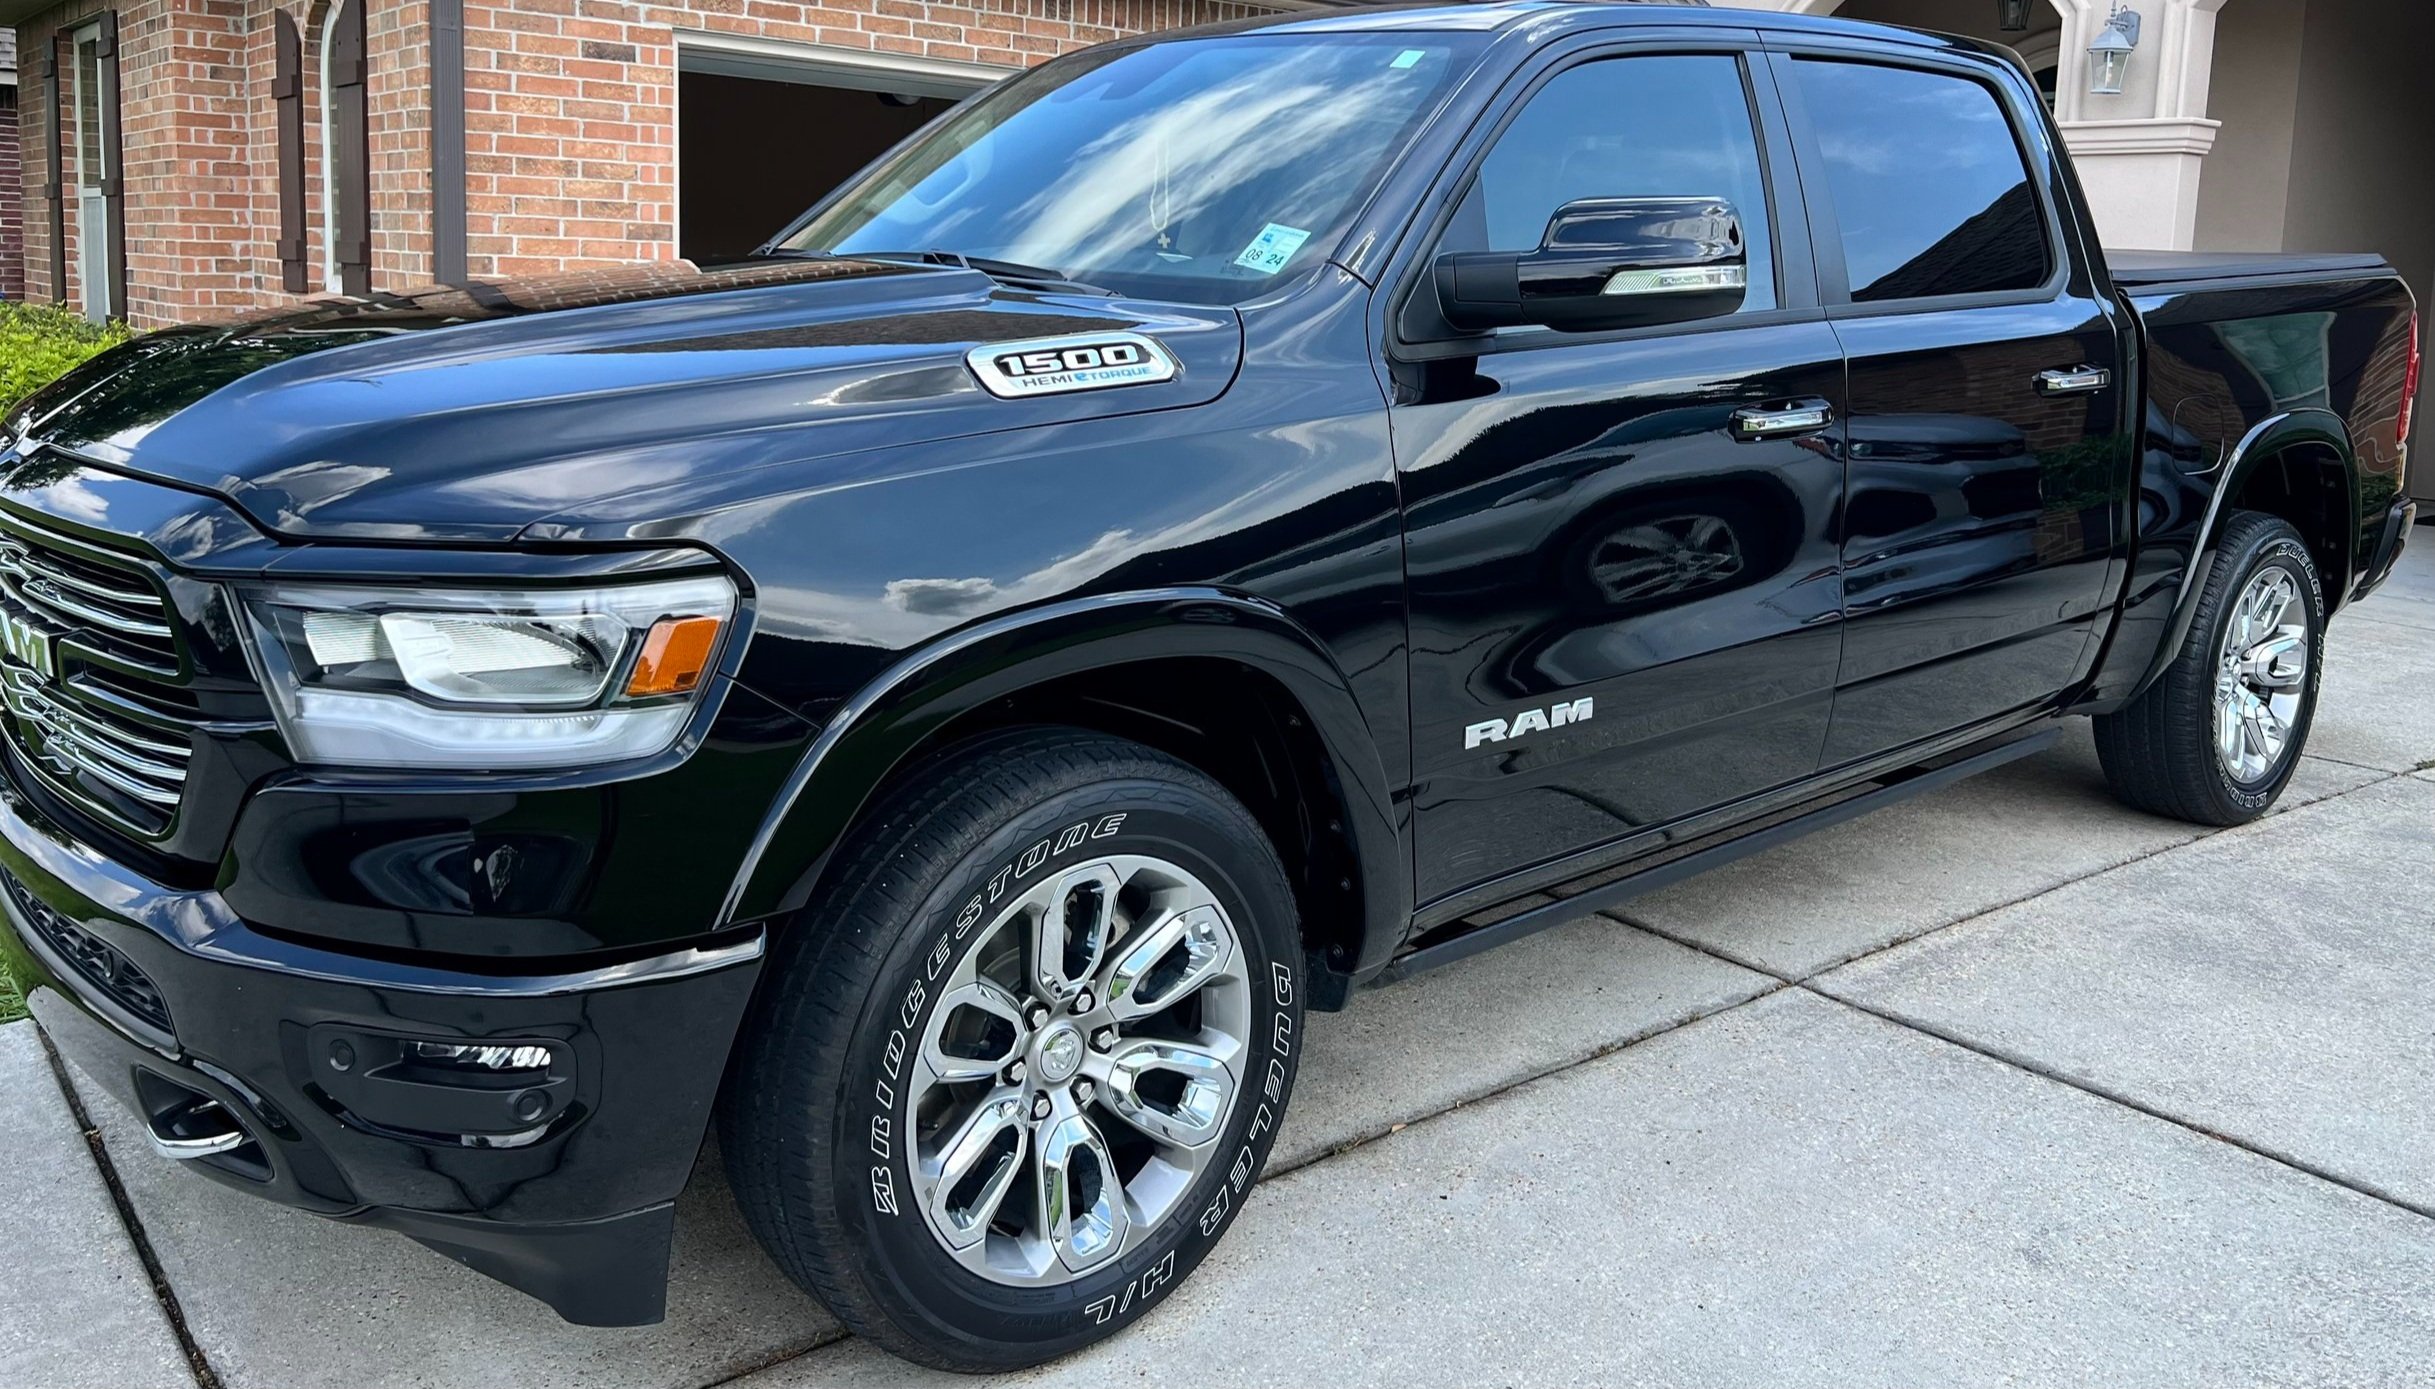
x=2256 y=93
x=2363 y=143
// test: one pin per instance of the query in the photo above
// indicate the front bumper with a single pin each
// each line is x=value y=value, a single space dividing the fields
x=287 y=1070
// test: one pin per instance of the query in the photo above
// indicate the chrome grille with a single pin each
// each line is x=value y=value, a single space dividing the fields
x=108 y=604
x=89 y=676
x=74 y=738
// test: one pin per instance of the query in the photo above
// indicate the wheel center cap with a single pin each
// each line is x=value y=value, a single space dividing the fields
x=1060 y=1054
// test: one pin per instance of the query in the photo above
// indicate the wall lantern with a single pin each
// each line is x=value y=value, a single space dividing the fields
x=2014 y=15
x=2110 y=55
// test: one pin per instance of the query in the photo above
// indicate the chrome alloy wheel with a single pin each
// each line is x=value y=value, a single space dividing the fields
x=2261 y=672
x=1075 y=1076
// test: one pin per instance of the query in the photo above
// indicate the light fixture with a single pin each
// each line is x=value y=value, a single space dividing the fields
x=2014 y=15
x=2110 y=55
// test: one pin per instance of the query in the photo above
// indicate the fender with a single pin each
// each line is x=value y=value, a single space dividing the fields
x=873 y=732
x=2266 y=439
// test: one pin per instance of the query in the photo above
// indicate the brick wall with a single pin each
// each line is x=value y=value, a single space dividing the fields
x=570 y=125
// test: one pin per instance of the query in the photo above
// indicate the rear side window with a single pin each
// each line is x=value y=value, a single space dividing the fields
x=1644 y=127
x=1928 y=183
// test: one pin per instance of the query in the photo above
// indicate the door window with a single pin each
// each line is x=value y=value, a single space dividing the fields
x=1928 y=183
x=1653 y=127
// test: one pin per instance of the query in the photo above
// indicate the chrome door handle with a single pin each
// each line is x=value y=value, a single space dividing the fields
x=1809 y=416
x=2074 y=380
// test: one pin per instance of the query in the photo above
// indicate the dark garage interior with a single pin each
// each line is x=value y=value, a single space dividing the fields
x=752 y=152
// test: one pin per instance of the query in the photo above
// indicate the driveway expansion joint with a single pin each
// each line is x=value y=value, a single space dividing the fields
x=196 y=1361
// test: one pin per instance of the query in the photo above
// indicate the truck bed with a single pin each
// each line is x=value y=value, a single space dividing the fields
x=2152 y=270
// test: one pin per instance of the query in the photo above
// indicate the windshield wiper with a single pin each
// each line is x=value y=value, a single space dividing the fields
x=1003 y=271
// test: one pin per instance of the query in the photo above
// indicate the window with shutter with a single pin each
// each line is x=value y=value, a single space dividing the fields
x=112 y=166
x=55 y=80
x=346 y=152
x=287 y=96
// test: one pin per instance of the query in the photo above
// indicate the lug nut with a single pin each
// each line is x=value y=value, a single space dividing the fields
x=1037 y=1017
x=1039 y=1107
x=1082 y=1001
x=1014 y=1073
x=1103 y=1039
x=1082 y=1092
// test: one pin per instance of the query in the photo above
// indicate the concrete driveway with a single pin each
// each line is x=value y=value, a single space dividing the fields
x=2007 y=1083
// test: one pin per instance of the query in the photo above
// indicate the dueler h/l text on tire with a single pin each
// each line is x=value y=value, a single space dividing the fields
x=1014 y=1077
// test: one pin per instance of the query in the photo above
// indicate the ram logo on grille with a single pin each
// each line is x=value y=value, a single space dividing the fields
x=1082 y=362
x=22 y=643
x=108 y=748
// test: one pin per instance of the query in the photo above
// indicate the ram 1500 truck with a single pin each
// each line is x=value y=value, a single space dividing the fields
x=1182 y=537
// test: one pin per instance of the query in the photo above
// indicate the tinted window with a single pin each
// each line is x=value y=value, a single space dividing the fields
x=1202 y=169
x=1927 y=180
x=1624 y=128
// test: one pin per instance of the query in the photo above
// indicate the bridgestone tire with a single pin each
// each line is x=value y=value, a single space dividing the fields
x=812 y=1130
x=2159 y=752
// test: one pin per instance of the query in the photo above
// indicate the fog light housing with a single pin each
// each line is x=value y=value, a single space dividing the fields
x=450 y=1091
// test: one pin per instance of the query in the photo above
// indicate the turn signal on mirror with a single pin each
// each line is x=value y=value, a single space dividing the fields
x=674 y=656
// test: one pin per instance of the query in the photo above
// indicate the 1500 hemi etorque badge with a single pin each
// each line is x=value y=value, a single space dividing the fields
x=1078 y=362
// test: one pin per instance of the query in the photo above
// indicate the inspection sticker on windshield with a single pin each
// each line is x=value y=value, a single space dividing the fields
x=1274 y=246
x=1079 y=362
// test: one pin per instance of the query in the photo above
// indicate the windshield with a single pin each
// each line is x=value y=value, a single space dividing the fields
x=1201 y=170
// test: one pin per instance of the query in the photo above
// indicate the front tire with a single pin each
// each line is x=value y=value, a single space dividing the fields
x=1012 y=1077
x=2216 y=739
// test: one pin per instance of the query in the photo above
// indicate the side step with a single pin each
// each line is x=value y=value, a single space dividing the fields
x=1895 y=787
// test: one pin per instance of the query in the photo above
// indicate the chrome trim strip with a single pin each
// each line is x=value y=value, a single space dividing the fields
x=46 y=592
x=142 y=597
x=188 y=1149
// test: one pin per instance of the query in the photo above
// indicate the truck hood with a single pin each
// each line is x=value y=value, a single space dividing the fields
x=468 y=414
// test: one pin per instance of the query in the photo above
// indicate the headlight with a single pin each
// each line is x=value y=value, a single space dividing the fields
x=365 y=677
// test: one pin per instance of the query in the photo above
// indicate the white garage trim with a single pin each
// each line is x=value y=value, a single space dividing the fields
x=818 y=65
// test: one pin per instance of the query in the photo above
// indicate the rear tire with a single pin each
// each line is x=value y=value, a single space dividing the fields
x=1044 y=944
x=2215 y=740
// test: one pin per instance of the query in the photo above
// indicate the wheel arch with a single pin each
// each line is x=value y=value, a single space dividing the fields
x=1282 y=730
x=2299 y=465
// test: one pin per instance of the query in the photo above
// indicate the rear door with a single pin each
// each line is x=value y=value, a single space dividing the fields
x=1987 y=461
x=1623 y=599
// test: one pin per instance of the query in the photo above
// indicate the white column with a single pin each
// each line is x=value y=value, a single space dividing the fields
x=2139 y=152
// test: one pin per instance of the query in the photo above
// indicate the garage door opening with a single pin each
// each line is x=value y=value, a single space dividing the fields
x=764 y=131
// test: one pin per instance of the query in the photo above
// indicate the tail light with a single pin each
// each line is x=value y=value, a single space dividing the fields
x=2409 y=383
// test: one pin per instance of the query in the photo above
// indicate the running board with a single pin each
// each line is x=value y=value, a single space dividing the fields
x=1916 y=782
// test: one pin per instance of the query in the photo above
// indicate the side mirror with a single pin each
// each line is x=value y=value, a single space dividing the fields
x=1605 y=263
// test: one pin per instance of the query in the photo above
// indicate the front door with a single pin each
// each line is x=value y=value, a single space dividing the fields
x=1988 y=462
x=1624 y=608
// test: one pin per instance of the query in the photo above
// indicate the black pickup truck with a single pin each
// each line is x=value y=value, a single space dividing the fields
x=1183 y=537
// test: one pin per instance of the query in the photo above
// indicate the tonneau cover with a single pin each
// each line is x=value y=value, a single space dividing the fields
x=2151 y=269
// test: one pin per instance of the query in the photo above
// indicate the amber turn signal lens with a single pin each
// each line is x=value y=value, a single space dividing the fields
x=675 y=653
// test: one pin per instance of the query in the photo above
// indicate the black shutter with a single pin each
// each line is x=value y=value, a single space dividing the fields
x=114 y=151
x=55 y=69
x=287 y=95
x=351 y=133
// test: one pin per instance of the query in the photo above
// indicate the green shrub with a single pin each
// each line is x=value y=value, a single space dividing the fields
x=39 y=342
